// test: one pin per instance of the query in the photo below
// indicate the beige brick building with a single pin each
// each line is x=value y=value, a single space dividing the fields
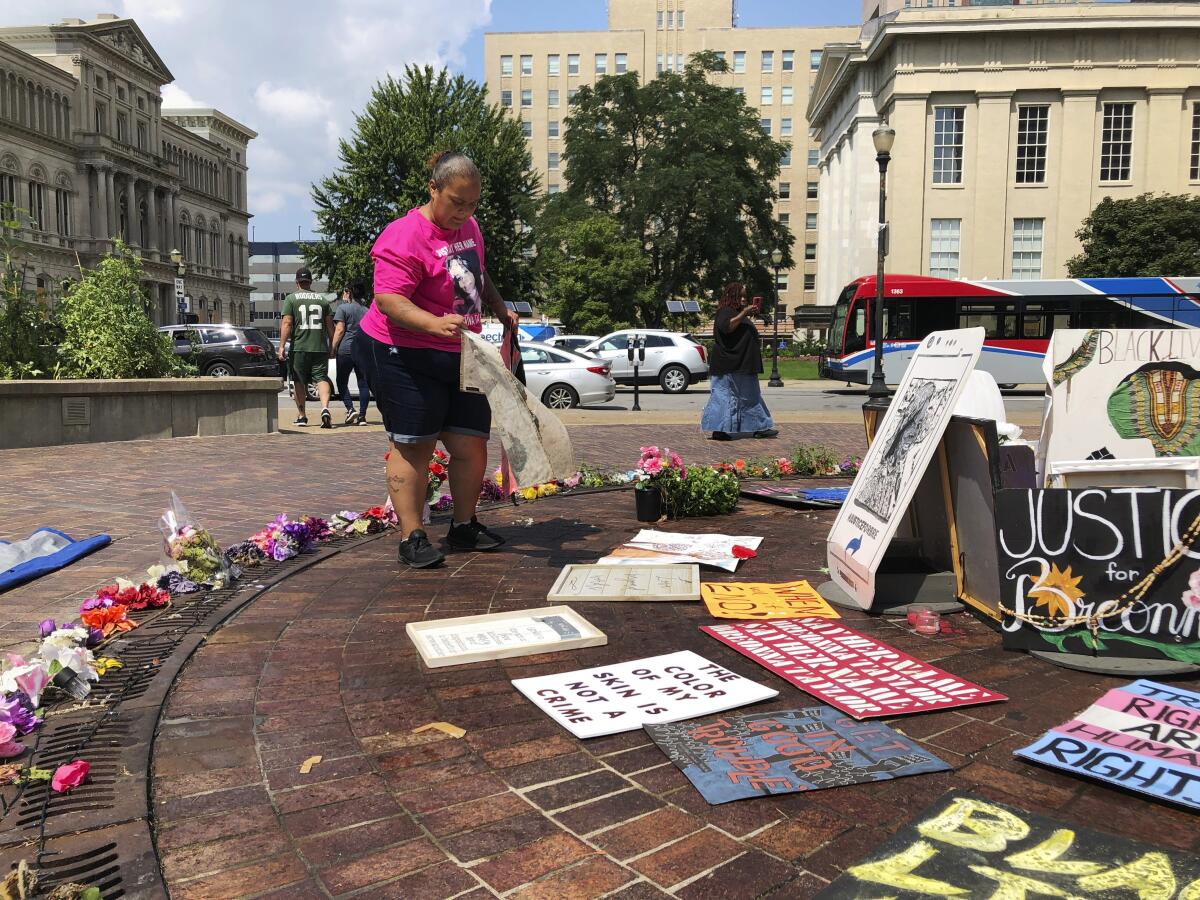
x=1012 y=123
x=535 y=74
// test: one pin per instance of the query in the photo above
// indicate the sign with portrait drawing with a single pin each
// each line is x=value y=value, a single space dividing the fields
x=905 y=441
x=468 y=639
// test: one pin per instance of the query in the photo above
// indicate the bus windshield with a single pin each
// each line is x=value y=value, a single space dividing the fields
x=837 y=330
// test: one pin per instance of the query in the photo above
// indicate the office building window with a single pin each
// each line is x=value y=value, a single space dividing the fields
x=552 y=189
x=601 y=63
x=552 y=64
x=8 y=189
x=785 y=190
x=739 y=60
x=1033 y=124
x=1027 y=248
x=527 y=98
x=768 y=60
x=740 y=91
x=659 y=63
x=122 y=128
x=527 y=128
x=810 y=281
x=552 y=160
x=788 y=62
x=1195 y=161
x=670 y=62
x=141 y=135
x=814 y=156
x=681 y=18
x=810 y=221
x=810 y=251
x=679 y=62
x=101 y=118
x=37 y=206
x=814 y=59
x=526 y=64
x=670 y=19
x=552 y=128
x=571 y=92
x=785 y=127
x=62 y=212
x=768 y=95
x=811 y=191
x=660 y=19
x=943 y=247
x=551 y=97
x=787 y=157
x=622 y=63
x=572 y=63
x=765 y=125
x=785 y=95
x=506 y=65
x=1116 y=142
x=785 y=218
x=722 y=56
x=781 y=284
x=948 y=144
x=506 y=98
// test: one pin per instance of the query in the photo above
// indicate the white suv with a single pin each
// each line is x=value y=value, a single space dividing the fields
x=673 y=361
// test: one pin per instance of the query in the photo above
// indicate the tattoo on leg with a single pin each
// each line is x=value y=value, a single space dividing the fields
x=397 y=481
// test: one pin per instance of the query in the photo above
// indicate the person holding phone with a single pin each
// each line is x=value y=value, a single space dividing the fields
x=735 y=405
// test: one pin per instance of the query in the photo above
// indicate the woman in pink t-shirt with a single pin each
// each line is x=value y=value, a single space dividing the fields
x=430 y=282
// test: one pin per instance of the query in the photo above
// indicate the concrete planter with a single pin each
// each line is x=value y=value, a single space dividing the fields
x=85 y=411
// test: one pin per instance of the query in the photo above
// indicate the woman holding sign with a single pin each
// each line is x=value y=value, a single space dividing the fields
x=735 y=405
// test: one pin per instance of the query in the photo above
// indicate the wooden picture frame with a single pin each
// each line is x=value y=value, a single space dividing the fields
x=449 y=642
x=588 y=582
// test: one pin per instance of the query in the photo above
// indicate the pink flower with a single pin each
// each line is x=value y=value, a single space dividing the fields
x=1194 y=581
x=676 y=462
x=9 y=746
x=1192 y=599
x=68 y=776
x=652 y=466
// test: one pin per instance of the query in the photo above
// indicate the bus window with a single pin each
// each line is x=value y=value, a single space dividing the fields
x=837 y=331
x=932 y=314
x=1041 y=318
x=897 y=320
x=1139 y=319
x=998 y=320
x=1102 y=312
x=856 y=327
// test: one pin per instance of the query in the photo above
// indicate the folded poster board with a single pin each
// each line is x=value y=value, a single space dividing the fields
x=965 y=846
x=859 y=675
x=649 y=547
x=583 y=582
x=468 y=639
x=743 y=755
x=1125 y=558
x=793 y=495
x=750 y=600
x=625 y=696
x=1144 y=737
x=904 y=443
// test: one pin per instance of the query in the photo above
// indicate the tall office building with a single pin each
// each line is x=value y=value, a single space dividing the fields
x=535 y=75
x=273 y=267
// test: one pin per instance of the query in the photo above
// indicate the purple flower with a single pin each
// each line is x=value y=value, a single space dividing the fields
x=47 y=628
x=17 y=710
x=95 y=603
x=94 y=637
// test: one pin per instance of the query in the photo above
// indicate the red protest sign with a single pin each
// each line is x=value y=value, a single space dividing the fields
x=854 y=673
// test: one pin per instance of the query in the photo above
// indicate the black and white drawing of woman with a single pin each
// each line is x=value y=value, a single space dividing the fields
x=915 y=415
x=467 y=283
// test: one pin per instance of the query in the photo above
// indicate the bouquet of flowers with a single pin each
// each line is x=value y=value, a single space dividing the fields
x=439 y=466
x=186 y=542
x=658 y=469
x=373 y=521
x=282 y=538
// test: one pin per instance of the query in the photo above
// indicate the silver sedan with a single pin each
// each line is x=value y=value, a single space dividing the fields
x=563 y=378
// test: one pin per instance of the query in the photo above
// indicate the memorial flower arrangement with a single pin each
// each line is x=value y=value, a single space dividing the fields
x=282 y=538
x=371 y=521
x=438 y=471
x=196 y=547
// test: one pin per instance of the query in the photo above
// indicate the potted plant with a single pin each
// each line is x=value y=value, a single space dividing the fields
x=657 y=471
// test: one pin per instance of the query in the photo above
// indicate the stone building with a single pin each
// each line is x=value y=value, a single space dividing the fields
x=1012 y=123
x=535 y=75
x=273 y=267
x=88 y=154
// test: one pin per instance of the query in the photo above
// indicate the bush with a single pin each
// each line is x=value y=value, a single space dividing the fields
x=28 y=337
x=808 y=462
x=106 y=330
x=703 y=492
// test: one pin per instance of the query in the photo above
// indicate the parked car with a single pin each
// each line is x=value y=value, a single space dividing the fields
x=673 y=361
x=225 y=350
x=570 y=341
x=564 y=379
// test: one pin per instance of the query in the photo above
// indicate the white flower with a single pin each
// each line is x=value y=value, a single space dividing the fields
x=65 y=638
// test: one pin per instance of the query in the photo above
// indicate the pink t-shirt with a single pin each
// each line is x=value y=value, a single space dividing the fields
x=440 y=271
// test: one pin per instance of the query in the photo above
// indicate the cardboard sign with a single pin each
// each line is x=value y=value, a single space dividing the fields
x=468 y=639
x=1144 y=737
x=782 y=752
x=748 y=600
x=580 y=582
x=849 y=671
x=651 y=547
x=626 y=696
x=792 y=495
x=964 y=846
x=1122 y=394
x=905 y=442
x=1086 y=552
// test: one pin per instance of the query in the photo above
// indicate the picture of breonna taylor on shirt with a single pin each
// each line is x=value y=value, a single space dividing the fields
x=465 y=273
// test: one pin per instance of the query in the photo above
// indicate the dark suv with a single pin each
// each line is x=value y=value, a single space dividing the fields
x=224 y=350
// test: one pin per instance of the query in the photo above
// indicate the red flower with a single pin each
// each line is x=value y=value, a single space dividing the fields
x=741 y=552
x=437 y=469
x=375 y=512
x=108 y=619
x=71 y=775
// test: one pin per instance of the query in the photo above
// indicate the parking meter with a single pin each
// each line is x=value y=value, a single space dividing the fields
x=637 y=356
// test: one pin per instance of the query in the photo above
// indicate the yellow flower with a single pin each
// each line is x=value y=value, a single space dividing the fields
x=545 y=490
x=529 y=493
x=103 y=664
x=498 y=477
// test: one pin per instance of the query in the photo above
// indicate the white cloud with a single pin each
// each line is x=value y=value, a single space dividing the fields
x=175 y=97
x=149 y=10
x=291 y=104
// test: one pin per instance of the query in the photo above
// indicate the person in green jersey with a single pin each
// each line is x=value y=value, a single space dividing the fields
x=308 y=322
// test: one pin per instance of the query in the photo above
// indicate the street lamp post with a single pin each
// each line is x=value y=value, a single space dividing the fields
x=180 y=295
x=883 y=137
x=775 y=380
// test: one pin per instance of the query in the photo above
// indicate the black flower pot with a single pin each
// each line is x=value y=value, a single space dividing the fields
x=649 y=505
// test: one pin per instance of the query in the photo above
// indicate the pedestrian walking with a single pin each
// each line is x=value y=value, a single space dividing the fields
x=735 y=405
x=430 y=282
x=346 y=325
x=308 y=322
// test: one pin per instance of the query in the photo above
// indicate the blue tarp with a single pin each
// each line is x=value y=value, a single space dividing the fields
x=46 y=550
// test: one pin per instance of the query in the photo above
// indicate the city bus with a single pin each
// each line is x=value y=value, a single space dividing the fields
x=1018 y=318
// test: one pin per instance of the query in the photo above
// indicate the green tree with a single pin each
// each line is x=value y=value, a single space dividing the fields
x=684 y=167
x=384 y=172
x=1144 y=235
x=106 y=331
x=592 y=276
x=28 y=336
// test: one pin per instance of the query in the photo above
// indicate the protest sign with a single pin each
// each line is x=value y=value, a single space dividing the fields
x=467 y=639
x=792 y=495
x=581 y=582
x=649 y=547
x=965 y=846
x=752 y=755
x=1105 y=572
x=623 y=697
x=849 y=671
x=748 y=600
x=1144 y=737
x=904 y=444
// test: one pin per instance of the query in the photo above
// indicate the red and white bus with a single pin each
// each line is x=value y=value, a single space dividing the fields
x=1018 y=318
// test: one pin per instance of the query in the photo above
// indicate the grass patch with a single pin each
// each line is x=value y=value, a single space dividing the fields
x=795 y=369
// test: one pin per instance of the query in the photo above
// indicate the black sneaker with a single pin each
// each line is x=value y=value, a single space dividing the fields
x=302 y=421
x=472 y=536
x=721 y=436
x=767 y=433
x=326 y=419
x=417 y=552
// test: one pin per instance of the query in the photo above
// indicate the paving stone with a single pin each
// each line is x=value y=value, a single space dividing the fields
x=687 y=857
x=749 y=875
x=645 y=834
x=382 y=865
x=576 y=790
x=474 y=814
x=441 y=880
x=608 y=811
x=591 y=878
x=335 y=847
x=515 y=868
x=282 y=870
x=507 y=834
